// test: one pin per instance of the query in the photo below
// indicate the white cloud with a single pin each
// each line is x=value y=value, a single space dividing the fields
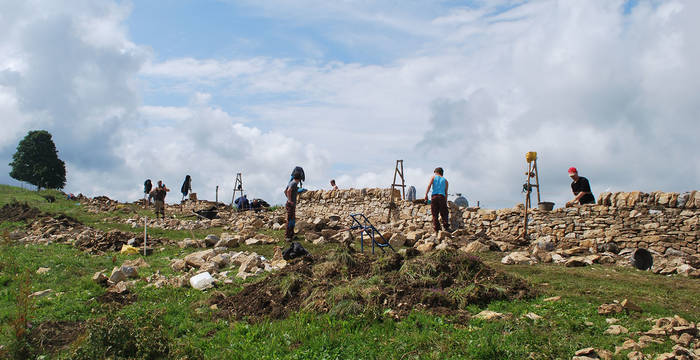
x=581 y=82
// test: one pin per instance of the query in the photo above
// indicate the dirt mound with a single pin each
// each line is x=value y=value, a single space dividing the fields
x=117 y=299
x=67 y=221
x=444 y=282
x=52 y=336
x=17 y=211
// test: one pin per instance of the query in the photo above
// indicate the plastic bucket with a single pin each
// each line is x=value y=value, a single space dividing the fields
x=546 y=206
x=531 y=156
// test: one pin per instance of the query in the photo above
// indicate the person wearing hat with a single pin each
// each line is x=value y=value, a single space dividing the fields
x=581 y=189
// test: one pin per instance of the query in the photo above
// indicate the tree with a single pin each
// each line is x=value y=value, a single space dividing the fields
x=36 y=162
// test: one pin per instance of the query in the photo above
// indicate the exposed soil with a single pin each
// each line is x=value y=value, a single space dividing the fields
x=67 y=221
x=117 y=299
x=443 y=282
x=17 y=211
x=52 y=336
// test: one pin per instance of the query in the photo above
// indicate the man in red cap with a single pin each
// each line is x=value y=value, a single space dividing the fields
x=581 y=189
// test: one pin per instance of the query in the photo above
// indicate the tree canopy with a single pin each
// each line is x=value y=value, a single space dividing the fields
x=36 y=161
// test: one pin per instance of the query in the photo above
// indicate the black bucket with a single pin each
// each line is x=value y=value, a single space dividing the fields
x=642 y=259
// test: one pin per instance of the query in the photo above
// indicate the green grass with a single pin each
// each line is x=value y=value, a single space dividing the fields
x=192 y=329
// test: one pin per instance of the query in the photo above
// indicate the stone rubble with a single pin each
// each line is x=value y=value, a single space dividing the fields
x=682 y=333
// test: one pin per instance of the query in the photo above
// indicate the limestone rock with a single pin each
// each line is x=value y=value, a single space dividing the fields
x=100 y=278
x=489 y=315
x=211 y=240
x=517 y=258
x=532 y=316
x=187 y=243
x=320 y=241
x=117 y=276
x=397 y=240
x=250 y=263
x=636 y=355
x=630 y=306
x=178 y=265
x=197 y=259
x=425 y=247
x=118 y=288
x=607 y=309
x=616 y=330
x=137 y=263
x=475 y=246
x=41 y=293
x=576 y=261
x=129 y=271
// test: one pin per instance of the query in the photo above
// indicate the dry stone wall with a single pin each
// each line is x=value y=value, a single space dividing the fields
x=667 y=223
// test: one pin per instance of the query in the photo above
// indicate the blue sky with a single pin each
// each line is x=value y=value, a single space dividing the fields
x=152 y=89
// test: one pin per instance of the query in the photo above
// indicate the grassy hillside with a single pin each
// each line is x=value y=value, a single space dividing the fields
x=74 y=321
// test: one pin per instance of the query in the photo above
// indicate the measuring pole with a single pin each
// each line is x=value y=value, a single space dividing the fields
x=145 y=233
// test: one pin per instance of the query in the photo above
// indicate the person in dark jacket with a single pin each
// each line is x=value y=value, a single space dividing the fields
x=581 y=189
x=186 y=186
x=147 y=187
x=242 y=203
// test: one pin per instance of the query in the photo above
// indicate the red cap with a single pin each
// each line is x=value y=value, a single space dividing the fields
x=572 y=170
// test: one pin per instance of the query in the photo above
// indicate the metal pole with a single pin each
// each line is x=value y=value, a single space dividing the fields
x=217 y=193
x=145 y=233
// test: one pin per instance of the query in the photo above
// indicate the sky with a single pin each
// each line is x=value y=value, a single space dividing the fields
x=132 y=90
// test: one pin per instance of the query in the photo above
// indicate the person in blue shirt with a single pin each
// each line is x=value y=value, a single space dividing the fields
x=291 y=193
x=242 y=203
x=438 y=200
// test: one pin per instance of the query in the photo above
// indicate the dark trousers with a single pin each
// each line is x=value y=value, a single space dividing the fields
x=438 y=206
x=291 y=218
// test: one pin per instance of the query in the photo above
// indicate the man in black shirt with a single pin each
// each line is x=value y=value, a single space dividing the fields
x=581 y=189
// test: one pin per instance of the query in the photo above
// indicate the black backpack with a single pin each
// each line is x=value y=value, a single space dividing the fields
x=295 y=250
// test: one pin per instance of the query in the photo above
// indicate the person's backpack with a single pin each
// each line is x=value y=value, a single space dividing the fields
x=295 y=250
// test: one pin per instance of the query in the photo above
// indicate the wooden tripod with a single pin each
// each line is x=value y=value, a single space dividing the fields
x=398 y=171
x=237 y=187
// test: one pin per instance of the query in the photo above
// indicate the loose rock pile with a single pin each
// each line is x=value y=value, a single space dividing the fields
x=219 y=262
x=682 y=333
x=544 y=251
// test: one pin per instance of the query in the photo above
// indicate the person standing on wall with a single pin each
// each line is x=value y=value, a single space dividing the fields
x=581 y=189
x=438 y=200
x=291 y=193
